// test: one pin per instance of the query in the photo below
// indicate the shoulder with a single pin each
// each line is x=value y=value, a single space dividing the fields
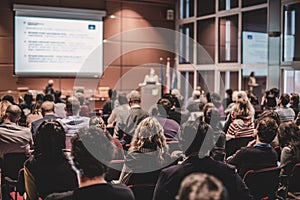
x=61 y=196
x=122 y=191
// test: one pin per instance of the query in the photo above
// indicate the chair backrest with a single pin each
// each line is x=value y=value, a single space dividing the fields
x=263 y=182
x=12 y=163
x=114 y=170
x=294 y=180
x=143 y=191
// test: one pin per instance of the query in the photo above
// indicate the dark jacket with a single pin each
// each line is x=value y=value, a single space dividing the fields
x=170 y=178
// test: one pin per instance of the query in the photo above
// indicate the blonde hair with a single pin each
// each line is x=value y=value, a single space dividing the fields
x=242 y=108
x=3 y=106
x=149 y=135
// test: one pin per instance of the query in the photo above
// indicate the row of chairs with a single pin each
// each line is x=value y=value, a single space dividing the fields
x=264 y=183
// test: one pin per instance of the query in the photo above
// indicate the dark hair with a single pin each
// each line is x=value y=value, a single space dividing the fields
x=39 y=97
x=229 y=92
x=212 y=117
x=295 y=99
x=48 y=97
x=164 y=106
x=50 y=140
x=285 y=99
x=122 y=98
x=288 y=134
x=192 y=137
x=28 y=99
x=92 y=151
x=252 y=74
x=8 y=98
x=57 y=95
x=269 y=113
x=267 y=129
x=275 y=91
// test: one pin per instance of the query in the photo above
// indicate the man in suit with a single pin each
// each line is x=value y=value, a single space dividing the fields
x=47 y=112
x=259 y=153
x=196 y=145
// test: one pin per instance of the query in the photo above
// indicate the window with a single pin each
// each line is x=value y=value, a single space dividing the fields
x=291 y=30
x=206 y=79
x=186 y=8
x=228 y=4
x=186 y=43
x=206 y=41
x=254 y=37
x=246 y=3
x=228 y=39
x=205 y=7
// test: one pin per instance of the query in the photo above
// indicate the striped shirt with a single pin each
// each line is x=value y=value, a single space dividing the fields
x=241 y=128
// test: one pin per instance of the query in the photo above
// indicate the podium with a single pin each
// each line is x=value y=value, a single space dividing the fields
x=150 y=94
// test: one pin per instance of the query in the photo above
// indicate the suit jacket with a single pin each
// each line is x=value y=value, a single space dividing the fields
x=170 y=178
x=35 y=124
x=253 y=158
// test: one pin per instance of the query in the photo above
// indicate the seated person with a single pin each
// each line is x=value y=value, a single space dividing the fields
x=48 y=170
x=289 y=140
x=91 y=152
x=147 y=155
x=258 y=154
x=196 y=144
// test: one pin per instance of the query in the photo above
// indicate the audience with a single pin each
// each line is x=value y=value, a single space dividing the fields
x=170 y=126
x=285 y=114
x=48 y=169
x=136 y=115
x=120 y=114
x=3 y=106
x=91 y=150
x=289 y=140
x=59 y=105
x=14 y=138
x=258 y=154
x=294 y=101
x=201 y=186
x=147 y=155
x=35 y=113
x=47 y=112
x=241 y=125
x=196 y=144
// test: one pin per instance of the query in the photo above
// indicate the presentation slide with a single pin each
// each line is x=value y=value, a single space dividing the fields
x=255 y=48
x=60 y=47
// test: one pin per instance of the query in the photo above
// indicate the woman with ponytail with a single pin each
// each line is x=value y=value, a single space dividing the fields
x=241 y=129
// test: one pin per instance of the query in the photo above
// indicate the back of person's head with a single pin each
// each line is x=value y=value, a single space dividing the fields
x=80 y=97
x=200 y=186
x=212 y=116
x=39 y=97
x=284 y=99
x=216 y=99
x=242 y=108
x=98 y=122
x=149 y=134
x=164 y=106
x=110 y=92
x=47 y=107
x=57 y=95
x=192 y=137
x=266 y=129
x=13 y=113
x=72 y=105
x=229 y=92
x=8 y=98
x=275 y=91
x=270 y=113
x=36 y=107
x=173 y=99
x=178 y=96
x=92 y=151
x=134 y=97
x=3 y=108
x=294 y=99
x=48 y=97
x=208 y=106
x=122 y=98
x=288 y=134
x=196 y=94
x=28 y=97
x=50 y=140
